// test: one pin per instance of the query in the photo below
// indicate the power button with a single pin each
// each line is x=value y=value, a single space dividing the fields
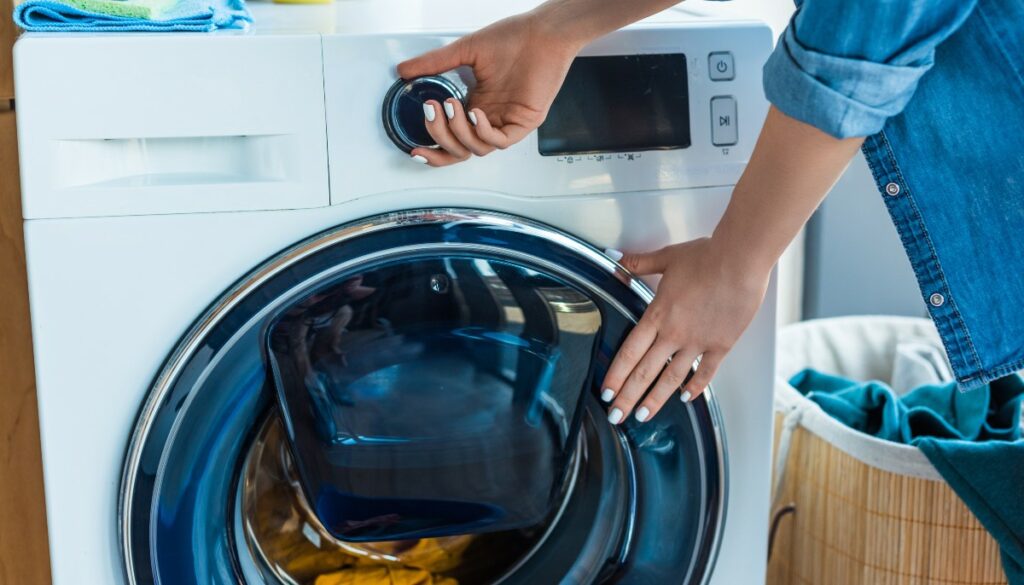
x=721 y=66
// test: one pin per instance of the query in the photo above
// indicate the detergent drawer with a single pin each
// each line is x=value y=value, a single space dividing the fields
x=134 y=125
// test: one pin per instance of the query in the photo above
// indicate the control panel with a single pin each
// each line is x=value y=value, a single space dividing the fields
x=652 y=107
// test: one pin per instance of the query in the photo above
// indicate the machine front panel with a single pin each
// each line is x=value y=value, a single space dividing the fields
x=696 y=128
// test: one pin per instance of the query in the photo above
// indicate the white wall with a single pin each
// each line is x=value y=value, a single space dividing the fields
x=774 y=12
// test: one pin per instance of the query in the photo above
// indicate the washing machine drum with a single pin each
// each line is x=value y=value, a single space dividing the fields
x=412 y=399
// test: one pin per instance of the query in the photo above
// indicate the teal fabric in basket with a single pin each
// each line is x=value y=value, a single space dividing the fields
x=972 y=438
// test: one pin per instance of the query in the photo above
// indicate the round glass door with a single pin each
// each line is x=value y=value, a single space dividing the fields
x=414 y=396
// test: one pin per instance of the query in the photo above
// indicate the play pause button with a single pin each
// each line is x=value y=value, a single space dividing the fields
x=723 y=121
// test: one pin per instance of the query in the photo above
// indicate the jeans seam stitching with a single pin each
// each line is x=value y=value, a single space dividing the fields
x=1003 y=370
x=954 y=310
x=883 y=147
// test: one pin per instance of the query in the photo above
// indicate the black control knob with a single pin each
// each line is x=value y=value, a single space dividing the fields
x=403 y=109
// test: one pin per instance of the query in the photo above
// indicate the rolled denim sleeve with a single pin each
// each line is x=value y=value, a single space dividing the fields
x=846 y=66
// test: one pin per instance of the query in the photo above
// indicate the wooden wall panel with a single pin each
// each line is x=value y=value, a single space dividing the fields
x=7 y=34
x=24 y=554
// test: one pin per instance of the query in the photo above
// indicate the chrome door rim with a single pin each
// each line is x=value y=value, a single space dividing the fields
x=191 y=341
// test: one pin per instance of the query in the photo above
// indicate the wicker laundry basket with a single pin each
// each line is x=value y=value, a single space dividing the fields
x=850 y=508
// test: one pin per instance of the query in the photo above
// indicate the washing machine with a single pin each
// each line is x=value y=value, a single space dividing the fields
x=271 y=349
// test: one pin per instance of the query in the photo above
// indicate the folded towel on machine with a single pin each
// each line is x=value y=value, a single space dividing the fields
x=130 y=15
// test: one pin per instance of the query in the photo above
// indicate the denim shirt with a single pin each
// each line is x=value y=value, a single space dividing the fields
x=937 y=86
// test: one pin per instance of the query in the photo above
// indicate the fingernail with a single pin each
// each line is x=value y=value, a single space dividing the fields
x=607 y=394
x=449 y=110
x=472 y=118
x=428 y=112
x=615 y=416
x=420 y=159
x=613 y=254
x=642 y=413
x=686 y=396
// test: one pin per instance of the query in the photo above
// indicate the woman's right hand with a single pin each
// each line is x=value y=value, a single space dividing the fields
x=519 y=64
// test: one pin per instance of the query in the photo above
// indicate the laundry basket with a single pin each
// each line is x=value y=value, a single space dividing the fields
x=852 y=509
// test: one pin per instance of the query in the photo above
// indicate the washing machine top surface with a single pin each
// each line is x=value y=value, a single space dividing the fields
x=360 y=17
x=367 y=17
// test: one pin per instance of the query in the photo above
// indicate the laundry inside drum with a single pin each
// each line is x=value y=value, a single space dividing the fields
x=284 y=535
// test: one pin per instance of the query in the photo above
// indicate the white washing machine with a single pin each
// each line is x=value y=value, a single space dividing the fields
x=272 y=349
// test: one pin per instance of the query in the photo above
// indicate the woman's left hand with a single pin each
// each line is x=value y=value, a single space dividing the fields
x=706 y=299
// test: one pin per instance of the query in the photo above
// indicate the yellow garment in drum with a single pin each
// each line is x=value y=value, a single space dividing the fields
x=386 y=563
x=383 y=575
x=417 y=563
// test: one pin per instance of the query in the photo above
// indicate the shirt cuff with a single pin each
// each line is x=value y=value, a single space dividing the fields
x=841 y=96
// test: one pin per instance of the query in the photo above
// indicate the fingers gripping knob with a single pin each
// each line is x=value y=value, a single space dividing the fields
x=405 y=111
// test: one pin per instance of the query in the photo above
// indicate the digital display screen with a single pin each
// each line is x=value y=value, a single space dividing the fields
x=619 y=104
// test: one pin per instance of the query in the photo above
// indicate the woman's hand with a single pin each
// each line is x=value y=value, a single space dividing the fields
x=712 y=287
x=705 y=301
x=519 y=64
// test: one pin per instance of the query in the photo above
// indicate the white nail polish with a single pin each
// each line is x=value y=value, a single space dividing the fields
x=686 y=396
x=428 y=112
x=613 y=254
x=449 y=110
x=615 y=416
x=420 y=159
x=642 y=413
x=472 y=118
x=607 y=394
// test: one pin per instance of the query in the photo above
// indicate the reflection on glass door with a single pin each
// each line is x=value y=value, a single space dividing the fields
x=435 y=396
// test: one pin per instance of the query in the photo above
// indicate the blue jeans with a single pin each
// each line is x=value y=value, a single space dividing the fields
x=938 y=88
x=951 y=170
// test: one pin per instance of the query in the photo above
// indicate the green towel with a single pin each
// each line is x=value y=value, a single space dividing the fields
x=972 y=438
x=148 y=9
x=989 y=478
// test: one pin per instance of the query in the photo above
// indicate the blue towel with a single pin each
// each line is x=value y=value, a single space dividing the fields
x=109 y=16
x=972 y=438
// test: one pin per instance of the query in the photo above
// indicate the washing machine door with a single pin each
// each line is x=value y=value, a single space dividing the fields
x=417 y=392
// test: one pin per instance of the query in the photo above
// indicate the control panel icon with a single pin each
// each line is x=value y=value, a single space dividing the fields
x=721 y=66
